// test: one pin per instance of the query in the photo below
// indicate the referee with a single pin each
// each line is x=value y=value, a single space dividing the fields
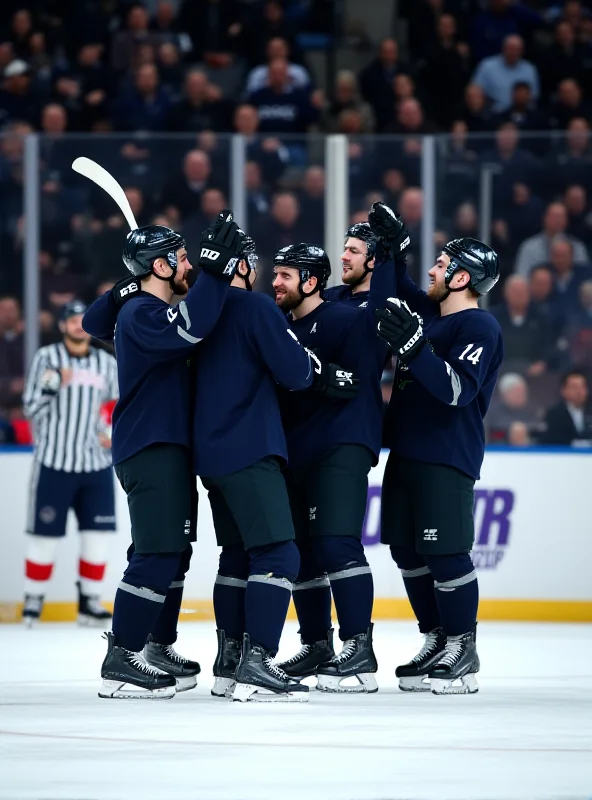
x=67 y=386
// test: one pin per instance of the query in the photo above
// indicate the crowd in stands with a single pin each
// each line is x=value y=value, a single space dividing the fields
x=151 y=90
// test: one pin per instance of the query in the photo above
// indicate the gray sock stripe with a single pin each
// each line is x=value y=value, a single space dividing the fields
x=282 y=583
x=352 y=572
x=315 y=583
x=143 y=592
x=224 y=580
x=415 y=573
x=177 y=585
x=450 y=586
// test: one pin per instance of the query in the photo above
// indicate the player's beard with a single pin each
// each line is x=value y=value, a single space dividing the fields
x=180 y=287
x=437 y=292
x=352 y=275
x=288 y=301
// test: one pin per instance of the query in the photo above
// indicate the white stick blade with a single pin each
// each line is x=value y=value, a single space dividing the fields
x=96 y=173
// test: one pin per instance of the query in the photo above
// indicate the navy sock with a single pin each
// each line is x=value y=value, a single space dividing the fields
x=353 y=593
x=266 y=606
x=312 y=600
x=419 y=585
x=229 y=605
x=165 y=627
x=458 y=601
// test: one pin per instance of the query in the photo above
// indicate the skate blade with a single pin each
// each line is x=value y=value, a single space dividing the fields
x=468 y=685
x=421 y=683
x=247 y=692
x=223 y=687
x=333 y=684
x=85 y=621
x=185 y=683
x=119 y=690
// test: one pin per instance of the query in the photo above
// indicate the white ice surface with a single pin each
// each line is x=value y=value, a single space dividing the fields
x=526 y=734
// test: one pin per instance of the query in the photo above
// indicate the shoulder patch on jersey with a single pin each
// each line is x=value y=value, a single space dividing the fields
x=314 y=328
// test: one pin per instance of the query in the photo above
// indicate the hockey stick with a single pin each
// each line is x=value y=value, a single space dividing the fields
x=95 y=172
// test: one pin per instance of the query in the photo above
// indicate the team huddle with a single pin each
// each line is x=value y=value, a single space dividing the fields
x=277 y=408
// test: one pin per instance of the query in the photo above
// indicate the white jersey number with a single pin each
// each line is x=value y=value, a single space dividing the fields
x=472 y=357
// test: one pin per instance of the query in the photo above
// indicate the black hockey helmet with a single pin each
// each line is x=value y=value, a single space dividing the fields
x=144 y=245
x=309 y=260
x=72 y=309
x=477 y=258
x=363 y=231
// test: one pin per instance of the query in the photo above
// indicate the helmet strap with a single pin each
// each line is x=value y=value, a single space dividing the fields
x=362 y=278
x=301 y=292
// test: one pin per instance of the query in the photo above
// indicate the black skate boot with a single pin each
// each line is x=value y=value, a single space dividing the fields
x=308 y=658
x=91 y=613
x=166 y=658
x=32 y=608
x=356 y=660
x=127 y=676
x=413 y=676
x=455 y=671
x=227 y=660
x=258 y=679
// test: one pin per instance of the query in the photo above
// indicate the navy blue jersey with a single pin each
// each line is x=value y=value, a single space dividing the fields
x=344 y=335
x=153 y=345
x=237 y=414
x=344 y=294
x=439 y=401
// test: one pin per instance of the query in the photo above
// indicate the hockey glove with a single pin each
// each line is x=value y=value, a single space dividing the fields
x=221 y=245
x=401 y=328
x=124 y=290
x=385 y=224
x=51 y=380
x=333 y=381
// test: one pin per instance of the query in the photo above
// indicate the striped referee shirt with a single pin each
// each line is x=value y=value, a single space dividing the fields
x=66 y=425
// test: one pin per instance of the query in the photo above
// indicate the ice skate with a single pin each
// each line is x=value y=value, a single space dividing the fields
x=308 y=658
x=91 y=613
x=455 y=671
x=413 y=676
x=258 y=679
x=166 y=658
x=32 y=608
x=356 y=660
x=126 y=675
x=227 y=660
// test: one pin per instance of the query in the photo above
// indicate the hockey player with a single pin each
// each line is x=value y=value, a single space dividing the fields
x=358 y=261
x=66 y=387
x=151 y=443
x=449 y=353
x=239 y=452
x=331 y=448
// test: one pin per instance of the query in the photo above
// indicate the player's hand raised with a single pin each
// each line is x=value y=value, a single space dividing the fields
x=221 y=245
x=390 y=227
x=401 y=328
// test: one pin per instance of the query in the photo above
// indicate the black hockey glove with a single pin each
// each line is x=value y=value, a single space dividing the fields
x=333 y=381
x=221 y=245
x=401 y=328
x=124 y=289
x=389 y=227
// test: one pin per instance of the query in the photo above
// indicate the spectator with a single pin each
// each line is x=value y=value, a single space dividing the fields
x=182 y=194
x=347 y=98
x=579 y=215
x=474 y=111
x=568 y=275
x=11 y=354
x=564 y=59
x=406 y=155
x=511 y=404
x=376 y=81
x=466 y=222
x=201 y=108
x=312 y=202
x=125 y=41
x=147 y=106
x=212 y=202
x=169 y=68
x=522 y=111
x=498 y=74
x=579 y=332
x=537 y=249
x=268 y=152
x=569 y=104
x=258 y=77
x=518 y=435
x=459 y=167
x=446 y=71
x=281 y=229
x=165 y=26
x=515 y=165
x=541 y=285
x=283 y=108
x=520 y=219
x=82 y=88
x=257 y=196
x=411 y=209
x=18 y=100
x=499 y=19
x=255 y=35
x=21 y=30
x=569 y=422
x=528 y=342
